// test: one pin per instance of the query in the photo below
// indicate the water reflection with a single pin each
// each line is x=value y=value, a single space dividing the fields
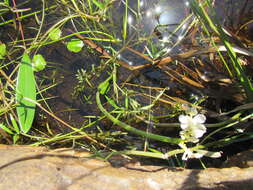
x=236 y=16
x=153 y=26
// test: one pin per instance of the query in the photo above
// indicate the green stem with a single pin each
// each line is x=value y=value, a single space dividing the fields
x=133 y=130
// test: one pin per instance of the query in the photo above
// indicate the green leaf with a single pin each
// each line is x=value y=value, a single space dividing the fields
x=7 y=2
x=38 y=62
x=154 y=150
x=112 y=102
x=25 y=94
x=55 y=34
x=125 y=21
x=6 y=129
x=2 y=51
x=14 y=124
x=103 y=87
x=15 y=138
x=99 y=4
x=75 y=45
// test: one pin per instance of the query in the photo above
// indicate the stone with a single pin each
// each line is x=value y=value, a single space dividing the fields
x=37 y=168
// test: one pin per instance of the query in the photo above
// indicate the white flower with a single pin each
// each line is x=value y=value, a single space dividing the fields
x=192 y=126
x=189 y=153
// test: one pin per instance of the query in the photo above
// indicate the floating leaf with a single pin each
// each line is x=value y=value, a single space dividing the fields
x=38 y=62
x=55 y=34
x=2 y=51
x=75 y=45
x=25 y=94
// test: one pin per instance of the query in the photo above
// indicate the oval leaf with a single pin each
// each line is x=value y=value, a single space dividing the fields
x=75 y=45
x=2 y=51
x=55 y=34
x=38 y=62
x=25 y=94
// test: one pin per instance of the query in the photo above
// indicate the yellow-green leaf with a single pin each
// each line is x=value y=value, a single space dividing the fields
x=75 y=45
x=6 y=129
x=55 y=34
x=38 y=62
x=2 y=51
x=104 y=86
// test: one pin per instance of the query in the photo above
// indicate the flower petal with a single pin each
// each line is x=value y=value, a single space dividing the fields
x=196 y=155
x=201 y=127
x=184 y=119
x=184 y=126
x=187 y=154
x=199 y=131
x=209 y=153
x=199 y=118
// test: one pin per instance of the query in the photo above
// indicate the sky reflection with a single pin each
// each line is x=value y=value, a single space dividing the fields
x=154 y=20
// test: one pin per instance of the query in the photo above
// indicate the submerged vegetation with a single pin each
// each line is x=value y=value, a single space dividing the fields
x=153 y=79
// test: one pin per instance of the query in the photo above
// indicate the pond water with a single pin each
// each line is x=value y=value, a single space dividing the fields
x=234 y=14
x=153 y=27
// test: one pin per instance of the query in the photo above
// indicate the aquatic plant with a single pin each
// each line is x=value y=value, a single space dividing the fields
x=149 y=68
x=192 y=125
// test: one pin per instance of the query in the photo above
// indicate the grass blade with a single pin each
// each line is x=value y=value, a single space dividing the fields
x=125 y=20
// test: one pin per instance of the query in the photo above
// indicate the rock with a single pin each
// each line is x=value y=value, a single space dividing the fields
x=36 y=168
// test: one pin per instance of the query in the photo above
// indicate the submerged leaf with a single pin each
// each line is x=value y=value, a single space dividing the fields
x=2 y=51
x=55 y=34
x=75 y=45
x=112 y=102
x=6 y=129
x=100 y=5
x=25 y=94
x=14 y=124
x=38 y=62
x=104 y=86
